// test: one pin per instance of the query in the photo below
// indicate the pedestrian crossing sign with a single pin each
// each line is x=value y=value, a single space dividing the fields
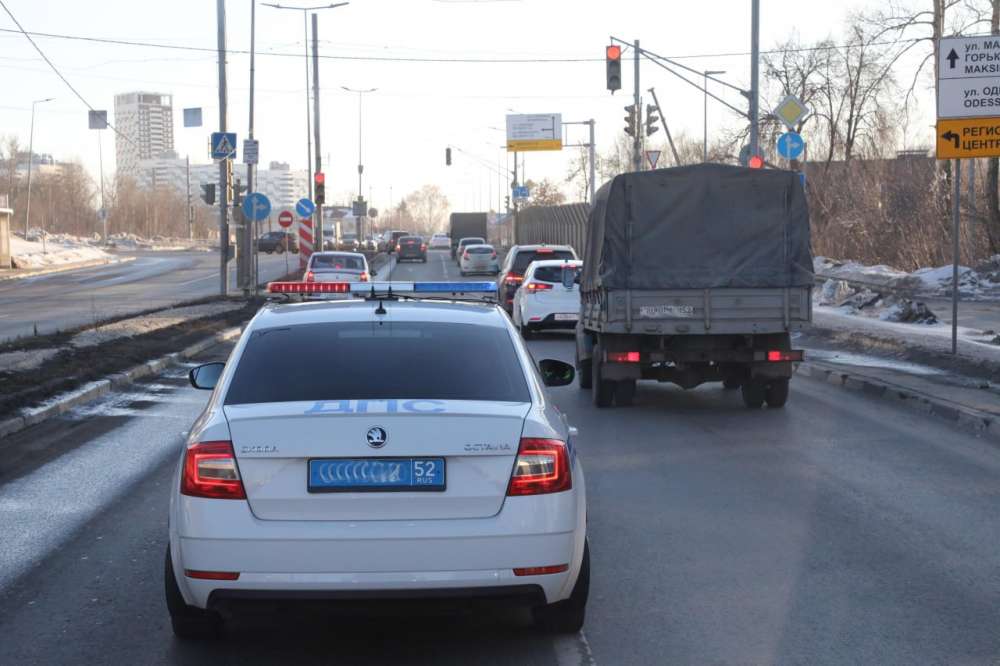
x=223 y=145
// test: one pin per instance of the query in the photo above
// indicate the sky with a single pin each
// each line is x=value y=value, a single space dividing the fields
x=418 y=109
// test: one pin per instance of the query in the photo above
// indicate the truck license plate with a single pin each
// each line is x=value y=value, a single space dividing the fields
x=661 y=311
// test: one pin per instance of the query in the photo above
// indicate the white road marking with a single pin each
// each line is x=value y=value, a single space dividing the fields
x=573 y=650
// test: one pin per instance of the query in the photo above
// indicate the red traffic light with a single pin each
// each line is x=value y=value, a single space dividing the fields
x=613 y=52
x=320 y=178
x=756 y=162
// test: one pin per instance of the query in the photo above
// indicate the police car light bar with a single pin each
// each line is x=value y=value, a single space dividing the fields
x=379 y=288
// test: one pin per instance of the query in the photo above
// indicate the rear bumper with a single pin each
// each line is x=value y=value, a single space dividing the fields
x=380 y=559
x=541 y=320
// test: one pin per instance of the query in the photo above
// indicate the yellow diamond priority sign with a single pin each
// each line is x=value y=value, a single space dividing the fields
x=791 y=111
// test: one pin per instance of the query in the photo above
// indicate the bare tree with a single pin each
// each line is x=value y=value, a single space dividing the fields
x=544 y=193
x=429 y=207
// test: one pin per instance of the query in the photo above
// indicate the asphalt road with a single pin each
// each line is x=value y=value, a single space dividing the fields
x=838 y=530
x=58 y=301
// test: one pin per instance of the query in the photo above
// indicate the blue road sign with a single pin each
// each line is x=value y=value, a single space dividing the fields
x=520 y=192
x=223 y=145
x=192 y=117
x=791 y=145
x=256 y=206
x=305 y=208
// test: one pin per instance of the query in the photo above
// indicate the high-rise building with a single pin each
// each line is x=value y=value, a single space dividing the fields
x=145 y=124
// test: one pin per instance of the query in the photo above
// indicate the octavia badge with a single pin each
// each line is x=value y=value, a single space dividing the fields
x=376 y=437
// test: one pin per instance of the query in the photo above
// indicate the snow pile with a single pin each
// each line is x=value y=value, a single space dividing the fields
x=862 y=301
x=53 y=250
x=132 y=242
x=128 y=328
x=982 y=282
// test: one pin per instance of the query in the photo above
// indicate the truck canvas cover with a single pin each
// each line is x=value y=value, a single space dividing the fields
x=699 y=227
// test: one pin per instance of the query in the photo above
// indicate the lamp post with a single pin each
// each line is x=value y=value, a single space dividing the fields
x=305 y=33
x=361 y=166
x=31 y=158
x=706 y=73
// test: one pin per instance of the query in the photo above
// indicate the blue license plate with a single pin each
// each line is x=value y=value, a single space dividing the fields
x=342 y=475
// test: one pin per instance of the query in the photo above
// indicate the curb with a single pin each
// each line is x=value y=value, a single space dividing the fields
x=968 y=418
x=111 y=383
x=65 y=268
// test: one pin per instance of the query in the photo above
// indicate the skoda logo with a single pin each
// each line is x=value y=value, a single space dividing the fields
x=376 y=437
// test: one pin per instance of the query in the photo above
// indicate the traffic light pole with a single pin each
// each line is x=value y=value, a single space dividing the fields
x=223 y=166
x=755 y=78
x=318 y=223
x=637 y=139
x=666 y=128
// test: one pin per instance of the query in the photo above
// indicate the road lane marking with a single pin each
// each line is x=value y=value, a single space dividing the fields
x=201 y=279
x=573 y=650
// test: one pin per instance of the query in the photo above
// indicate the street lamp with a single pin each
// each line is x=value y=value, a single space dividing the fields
x=707 y=73
x=361 y=166
x=305 y=32
x=31 y=158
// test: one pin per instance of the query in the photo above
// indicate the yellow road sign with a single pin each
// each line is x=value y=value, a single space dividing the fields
x=523 y=145
x=968 y=137
x=791 y=110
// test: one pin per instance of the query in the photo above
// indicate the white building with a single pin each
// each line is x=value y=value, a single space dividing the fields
x=279 y=183
x=145 y=124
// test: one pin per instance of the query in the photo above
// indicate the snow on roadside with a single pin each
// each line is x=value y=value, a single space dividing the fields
x=133 y=326
x=981 y=282
x=54 y=251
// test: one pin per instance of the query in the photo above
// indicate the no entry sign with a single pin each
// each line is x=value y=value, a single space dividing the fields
x=285 y=218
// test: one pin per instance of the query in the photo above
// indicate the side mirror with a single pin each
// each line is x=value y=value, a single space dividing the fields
x=206 y=376
x=556 y=373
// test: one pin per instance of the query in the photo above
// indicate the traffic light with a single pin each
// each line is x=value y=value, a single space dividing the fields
x=319 y=180
x=208 y=193
x=447 y=156
x=630 y=120
x=613 y=57
x=506 y=200
x=238 y=190
x=651 y=119
x=756 y=162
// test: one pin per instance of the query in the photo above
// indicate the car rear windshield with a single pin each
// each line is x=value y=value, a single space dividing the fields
x=553 y=273
x=337 y=262
x=524 y=259
x=472 y=241
x=411 y=239
x=370 y=361
x=481 y=249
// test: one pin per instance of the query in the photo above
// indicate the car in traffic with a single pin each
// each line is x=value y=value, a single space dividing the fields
x=338 y=267
x=549 y=297
x=349 y=242
x=411 y=248
x=516 y=263
x=392 y=239
x=479 y=259
x=277 y=241
x=464 y=243
x=440 y=242
x=332 y=477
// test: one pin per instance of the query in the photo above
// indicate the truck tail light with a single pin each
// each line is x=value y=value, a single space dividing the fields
x=542 y=467
x=210 y=471
x=777 y=356
x=624 y=357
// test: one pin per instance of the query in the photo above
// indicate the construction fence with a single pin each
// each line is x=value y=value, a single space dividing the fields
x=561 y=225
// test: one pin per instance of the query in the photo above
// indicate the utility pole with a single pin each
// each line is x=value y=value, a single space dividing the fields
x=223 y=174
x=593 y=165
x=755 y=78
x=318 y=224
x=637 y=139
x=666 y=128
x=100 y=167
x=187 y=171
x=247 y=255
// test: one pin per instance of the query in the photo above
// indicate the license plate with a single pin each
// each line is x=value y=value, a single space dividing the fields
x=668 y=311
x=343 y=475
x=567 y=317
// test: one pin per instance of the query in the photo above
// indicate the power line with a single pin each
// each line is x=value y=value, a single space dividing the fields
x=54 y=68
x=439 y=60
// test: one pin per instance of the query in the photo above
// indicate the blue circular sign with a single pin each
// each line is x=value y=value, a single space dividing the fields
x=256 y=206
x=305 y=208
x=791 y=145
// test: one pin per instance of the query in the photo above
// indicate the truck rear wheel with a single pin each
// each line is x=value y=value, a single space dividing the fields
x=753 y=393
x=583 y=371
x=604 y=390
x=777 y=393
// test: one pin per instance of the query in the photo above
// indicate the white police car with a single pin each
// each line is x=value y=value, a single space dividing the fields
x=320 y=470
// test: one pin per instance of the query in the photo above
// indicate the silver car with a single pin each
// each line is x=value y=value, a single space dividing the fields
x=479 y=259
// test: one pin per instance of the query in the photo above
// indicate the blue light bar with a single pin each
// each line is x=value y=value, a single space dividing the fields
x=455 y=287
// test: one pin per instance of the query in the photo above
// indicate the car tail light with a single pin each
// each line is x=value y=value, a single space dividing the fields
x=216 y=575
x=210 y=471
x=465 y=255
x=494 y=255
x=544 y=250
x=542 y=467
x=537 y=286
x=310 y=276
x=541 y=571
x=363 y=277
x=777 y=356
x=623 y=357
x=423 y=246
x=398 y=247
x=513 y=278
